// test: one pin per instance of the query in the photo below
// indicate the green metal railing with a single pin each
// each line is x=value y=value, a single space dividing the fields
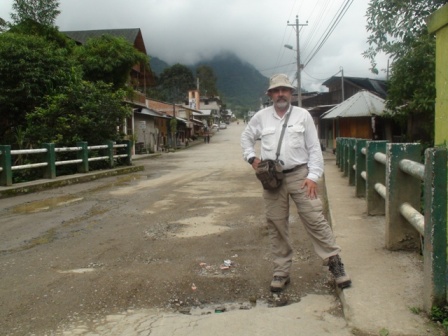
x=110 y=152
x=392 y=178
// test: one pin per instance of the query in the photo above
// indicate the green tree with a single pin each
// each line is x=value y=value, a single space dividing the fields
x=395 y=25
x=83 y=111
x=109 y=59
x=398 y=29
x=31 y=67
x=29 y=27
x=41 y=11
x=207 y=80
x=3 y=25
x=411 y=94
x=175 y=82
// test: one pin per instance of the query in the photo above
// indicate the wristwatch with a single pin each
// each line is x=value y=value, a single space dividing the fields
x=251 y=160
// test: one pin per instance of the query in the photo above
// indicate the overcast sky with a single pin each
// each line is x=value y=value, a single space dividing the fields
x=185 y=31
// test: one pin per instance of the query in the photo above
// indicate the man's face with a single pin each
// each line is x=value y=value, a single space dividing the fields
x=281 y=97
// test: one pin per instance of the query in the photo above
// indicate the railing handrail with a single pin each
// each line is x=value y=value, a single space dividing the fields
x=391 y=177
x=112 y=151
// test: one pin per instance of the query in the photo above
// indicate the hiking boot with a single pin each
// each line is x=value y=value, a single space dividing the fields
x=279 y=283
x=336 y=267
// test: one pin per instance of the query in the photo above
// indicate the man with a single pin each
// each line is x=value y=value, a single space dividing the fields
x=302 y=161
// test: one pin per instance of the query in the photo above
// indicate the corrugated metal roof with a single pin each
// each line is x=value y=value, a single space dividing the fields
x=362 y=104
x=153 y=113
x=206 y=112
x=377 y=86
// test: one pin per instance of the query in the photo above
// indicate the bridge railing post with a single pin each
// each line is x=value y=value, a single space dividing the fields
x=338 y=151
x=434 y=249
x=346 y=155
x=128 y=150
x=83 y=155
x=360 y=162
x=351 y=161
x=110 y=153
x=401 y=188
x=50 y=159
x=376 y=173
x=5 y=164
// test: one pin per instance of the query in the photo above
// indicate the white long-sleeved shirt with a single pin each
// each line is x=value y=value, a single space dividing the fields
x=300 y=144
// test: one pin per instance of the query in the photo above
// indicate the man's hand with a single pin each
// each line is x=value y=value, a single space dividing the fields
x=255 y=163
x=311 y=188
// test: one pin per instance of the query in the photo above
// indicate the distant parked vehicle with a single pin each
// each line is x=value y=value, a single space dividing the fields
x=222 y=126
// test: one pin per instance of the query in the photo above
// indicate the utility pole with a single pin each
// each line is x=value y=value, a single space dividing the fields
x=299 y=66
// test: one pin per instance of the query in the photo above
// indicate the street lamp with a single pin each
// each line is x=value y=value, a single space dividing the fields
x=299 y=84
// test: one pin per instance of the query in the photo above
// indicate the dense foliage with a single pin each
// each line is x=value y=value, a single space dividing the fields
x=40 y=11
x=109 y=59
x=411 y=94
x=52 y=90
x=398 y=29
x=82 y=111
x=31 y=67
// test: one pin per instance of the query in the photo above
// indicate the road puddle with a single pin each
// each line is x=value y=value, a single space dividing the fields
x=46 y=204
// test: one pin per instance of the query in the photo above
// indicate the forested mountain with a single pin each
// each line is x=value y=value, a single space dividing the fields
x=157 y=65
x=240 y=85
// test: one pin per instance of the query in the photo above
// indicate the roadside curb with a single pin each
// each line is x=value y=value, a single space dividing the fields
x=43 y=184
x=331 y=219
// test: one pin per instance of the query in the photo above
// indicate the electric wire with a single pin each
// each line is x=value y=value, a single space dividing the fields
x=343 y=9
x=319 y=12
x=315 y=27
x=281 y=48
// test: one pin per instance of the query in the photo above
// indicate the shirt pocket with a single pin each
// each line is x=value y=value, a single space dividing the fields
x=296 y=136
x=268 y=141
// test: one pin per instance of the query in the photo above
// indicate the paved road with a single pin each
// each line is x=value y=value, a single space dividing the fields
x=127 y=255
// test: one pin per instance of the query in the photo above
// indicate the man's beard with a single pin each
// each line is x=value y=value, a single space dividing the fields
x=281 y=104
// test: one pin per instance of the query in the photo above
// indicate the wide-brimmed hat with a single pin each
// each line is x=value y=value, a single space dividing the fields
x=279 y=80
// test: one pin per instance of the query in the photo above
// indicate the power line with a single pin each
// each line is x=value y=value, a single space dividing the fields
x=318 y=22
x=320 y=79
x=277 y=66
x=281 y=48
x=342 y=10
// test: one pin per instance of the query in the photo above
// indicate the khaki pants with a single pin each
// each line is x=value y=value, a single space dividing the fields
x=311 y=215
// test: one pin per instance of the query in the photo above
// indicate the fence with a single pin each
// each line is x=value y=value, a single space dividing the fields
x=412 y=196
x=109 y=152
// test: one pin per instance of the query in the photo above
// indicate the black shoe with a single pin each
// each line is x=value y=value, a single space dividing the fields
x=337 y=269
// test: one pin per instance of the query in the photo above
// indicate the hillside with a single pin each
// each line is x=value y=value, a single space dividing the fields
x=240 y=85
x=157 y=65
